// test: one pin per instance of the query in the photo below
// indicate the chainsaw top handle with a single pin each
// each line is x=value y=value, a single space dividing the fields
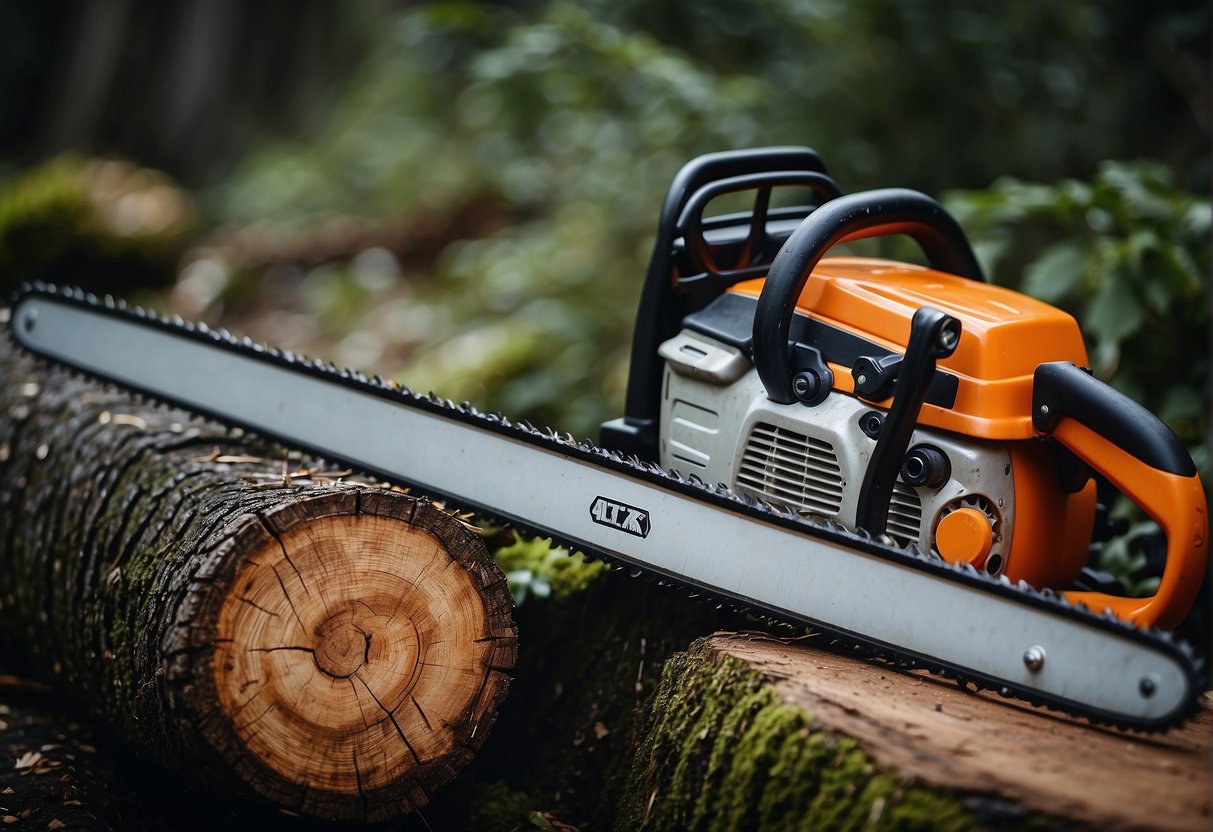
x=851 y=217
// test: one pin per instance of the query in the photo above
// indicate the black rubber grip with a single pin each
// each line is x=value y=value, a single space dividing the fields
x=1060 y=389
x=659 y=313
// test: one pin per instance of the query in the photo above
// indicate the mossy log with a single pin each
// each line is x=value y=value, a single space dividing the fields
x=337 y=650
x=750 y=732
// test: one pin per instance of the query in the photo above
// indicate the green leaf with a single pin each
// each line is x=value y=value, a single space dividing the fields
x=990 y=252
x=1181 y=403
x=1114 y=313
x=1058 y=272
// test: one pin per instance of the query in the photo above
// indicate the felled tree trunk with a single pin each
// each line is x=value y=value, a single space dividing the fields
x=338 y=650
x=746 y=731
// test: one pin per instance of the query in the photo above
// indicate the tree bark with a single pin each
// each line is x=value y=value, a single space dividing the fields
x=749 y=730
x=338 y=650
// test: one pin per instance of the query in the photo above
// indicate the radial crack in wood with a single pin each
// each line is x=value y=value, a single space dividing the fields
x=334 y=622
x=340 y=650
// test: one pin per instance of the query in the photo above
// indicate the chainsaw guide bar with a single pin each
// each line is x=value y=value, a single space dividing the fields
x=904 y=606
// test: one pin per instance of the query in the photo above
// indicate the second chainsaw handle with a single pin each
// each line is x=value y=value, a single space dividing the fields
x=691 y=222
x=1143 y=458
x=661 y=308
x=854 y=216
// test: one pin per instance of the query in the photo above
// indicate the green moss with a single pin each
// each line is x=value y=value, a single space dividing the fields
x=722 y=751
x=499 y=808
x=534 y=567
x=101 y=224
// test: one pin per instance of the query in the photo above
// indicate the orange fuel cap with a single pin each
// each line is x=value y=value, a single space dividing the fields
x=964 y=536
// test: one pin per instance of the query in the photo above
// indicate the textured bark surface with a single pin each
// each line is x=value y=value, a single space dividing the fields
x=750 y=731
x=338 y=650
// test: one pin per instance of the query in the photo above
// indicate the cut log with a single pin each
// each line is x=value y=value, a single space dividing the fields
x=370 y=629
x=786 y=736
x=337 y=650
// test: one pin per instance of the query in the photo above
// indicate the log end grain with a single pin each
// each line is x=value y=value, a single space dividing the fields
x=360 y=647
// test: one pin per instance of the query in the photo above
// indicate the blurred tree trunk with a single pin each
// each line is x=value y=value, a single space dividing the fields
x=77 y=76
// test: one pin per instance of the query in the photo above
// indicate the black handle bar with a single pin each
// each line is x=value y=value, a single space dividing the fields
x=691 y=222
x=883 y=212
x=662 y=305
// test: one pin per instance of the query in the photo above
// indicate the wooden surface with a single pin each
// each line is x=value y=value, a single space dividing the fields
x=932 y=730
x=361 y=646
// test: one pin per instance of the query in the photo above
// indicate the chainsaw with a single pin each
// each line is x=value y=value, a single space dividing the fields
x=902 y=457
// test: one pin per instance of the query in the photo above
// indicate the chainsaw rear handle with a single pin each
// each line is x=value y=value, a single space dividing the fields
x=855 y=216
x=1142 y=457
x=691 y=223
x=662 y=303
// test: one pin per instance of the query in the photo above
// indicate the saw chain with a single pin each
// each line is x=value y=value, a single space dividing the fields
x=44 y=318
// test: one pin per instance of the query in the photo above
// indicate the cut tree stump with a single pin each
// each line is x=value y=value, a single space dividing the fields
x=337 y=650
x=786 y=736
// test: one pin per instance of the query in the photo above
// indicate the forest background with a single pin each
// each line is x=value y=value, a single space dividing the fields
x=463 y=196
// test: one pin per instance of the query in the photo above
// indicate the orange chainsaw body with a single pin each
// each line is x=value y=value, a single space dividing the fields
x=1005 y=336
x=815 y=382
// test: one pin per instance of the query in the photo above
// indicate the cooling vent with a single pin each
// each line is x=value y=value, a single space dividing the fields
x=905 y=514
x=790 y=469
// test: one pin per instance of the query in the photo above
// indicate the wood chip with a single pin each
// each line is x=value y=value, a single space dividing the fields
x=27 y=760
x=130 y=421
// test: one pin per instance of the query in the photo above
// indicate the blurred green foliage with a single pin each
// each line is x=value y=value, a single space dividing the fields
x=91 y=223
x=570 y=120
x=1128 y=255
x=533 y=567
